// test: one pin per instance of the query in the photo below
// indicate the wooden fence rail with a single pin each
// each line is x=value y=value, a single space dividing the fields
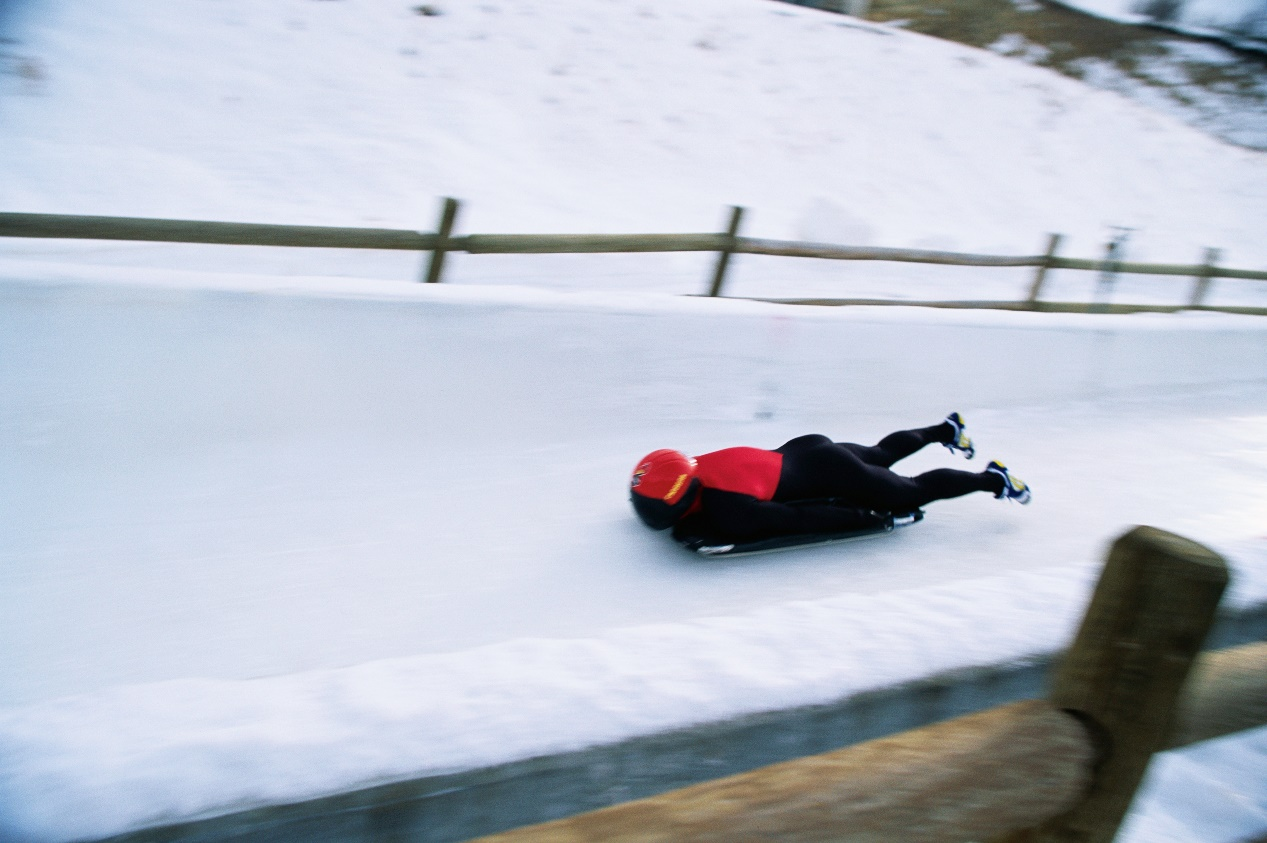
x=724 y=244
x=1062 y=769
x=1226 y=693
x=58 y=226
x=969 y=778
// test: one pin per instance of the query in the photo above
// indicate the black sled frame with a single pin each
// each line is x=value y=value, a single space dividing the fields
x=704 y=547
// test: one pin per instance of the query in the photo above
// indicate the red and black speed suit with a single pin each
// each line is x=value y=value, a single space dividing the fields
x=814 y=485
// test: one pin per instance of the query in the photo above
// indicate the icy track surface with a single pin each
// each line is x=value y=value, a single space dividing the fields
x=261 y=558
x=263 y=545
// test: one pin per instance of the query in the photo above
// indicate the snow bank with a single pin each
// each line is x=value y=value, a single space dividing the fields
x=155 y=365
x=104 y=763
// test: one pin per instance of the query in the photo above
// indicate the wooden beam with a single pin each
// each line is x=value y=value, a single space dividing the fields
x=59 y=226
x=444 y=242
x=723 y=257
x=1040 y=277
x=1201 y=285
x=786 y=248
x=981 y=774
x=1226 y=693
x=528 y=244
x=1042 y=306
x=1157 y=268
x=1150 y=613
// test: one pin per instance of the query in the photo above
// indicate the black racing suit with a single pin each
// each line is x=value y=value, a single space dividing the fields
x=827 y=487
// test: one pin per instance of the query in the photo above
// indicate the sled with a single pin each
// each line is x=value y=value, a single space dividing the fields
x=704 y=547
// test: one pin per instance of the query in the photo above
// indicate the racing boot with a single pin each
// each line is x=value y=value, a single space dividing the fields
x=960 y=442
x=1014 y=489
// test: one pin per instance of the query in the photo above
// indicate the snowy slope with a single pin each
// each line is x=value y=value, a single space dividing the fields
x=585 y=116
x=226 y=589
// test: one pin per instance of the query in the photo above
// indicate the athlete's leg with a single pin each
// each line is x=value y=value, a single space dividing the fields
x=901 y=444
x=822 y=469
x=904 y=494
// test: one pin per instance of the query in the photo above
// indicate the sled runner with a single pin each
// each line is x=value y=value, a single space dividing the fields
x=705 y=547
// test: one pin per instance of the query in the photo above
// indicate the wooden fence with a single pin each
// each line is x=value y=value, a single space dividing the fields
x=1061 y=769
x=723 y=244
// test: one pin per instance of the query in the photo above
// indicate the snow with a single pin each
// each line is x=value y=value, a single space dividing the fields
x=313 y=733
x=1201 y=806
x=279 y=523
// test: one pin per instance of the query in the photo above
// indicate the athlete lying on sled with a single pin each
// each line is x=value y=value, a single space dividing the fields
x=810 y=485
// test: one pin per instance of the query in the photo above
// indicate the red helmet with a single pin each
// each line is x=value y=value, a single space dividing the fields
x=662 y=487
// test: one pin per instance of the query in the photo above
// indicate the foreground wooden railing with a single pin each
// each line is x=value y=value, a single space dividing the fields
x=1061 y=769
x=724 y=244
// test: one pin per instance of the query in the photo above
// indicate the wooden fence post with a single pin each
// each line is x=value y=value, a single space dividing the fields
x=723 y=258
x=448 y=215
x=1040 y=276
x=1123 y=674
x=1109 y=270
x=1202 y=284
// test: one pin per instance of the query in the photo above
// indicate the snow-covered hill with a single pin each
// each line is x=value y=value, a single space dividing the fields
x=584 y=116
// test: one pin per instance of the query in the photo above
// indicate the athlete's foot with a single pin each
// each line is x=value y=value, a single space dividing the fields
x=960 y=441
x=1014 y=489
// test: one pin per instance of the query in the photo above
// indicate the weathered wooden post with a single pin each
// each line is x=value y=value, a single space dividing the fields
x=1151 y=612
x=448 y=214
x=1202 y=284
x=723 y=258
x=1040 y=276
x=1109 y=269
